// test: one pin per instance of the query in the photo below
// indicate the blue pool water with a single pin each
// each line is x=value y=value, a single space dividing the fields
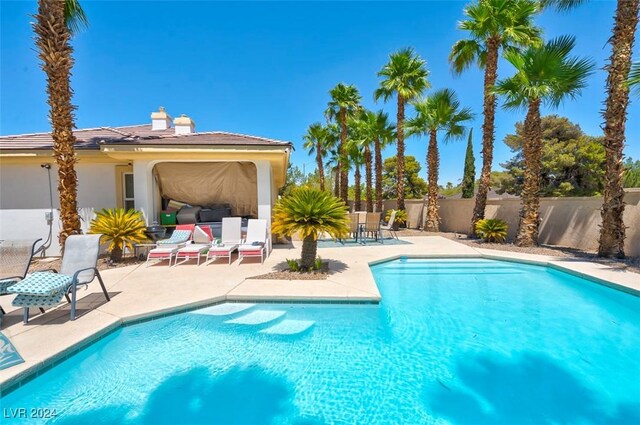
x=453 y=341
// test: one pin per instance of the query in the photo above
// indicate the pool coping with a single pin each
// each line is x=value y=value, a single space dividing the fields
x=20 y=378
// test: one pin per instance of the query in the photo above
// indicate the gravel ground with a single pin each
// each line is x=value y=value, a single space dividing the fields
x=630 y=263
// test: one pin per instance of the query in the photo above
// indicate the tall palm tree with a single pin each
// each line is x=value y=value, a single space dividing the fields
x=493 y=25
x=405 y=75
x=439 y=112
x=56 y=22
x=380 y=132
x=545 y=74
x=344 y=103
x=612 y=231
x=316 y=140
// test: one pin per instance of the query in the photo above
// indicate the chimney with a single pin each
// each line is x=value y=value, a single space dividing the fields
x=160 y=120
x=184 y=125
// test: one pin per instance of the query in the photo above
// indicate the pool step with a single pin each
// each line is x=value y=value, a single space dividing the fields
x=257 y=317
x=226 y=309
x=289 y=327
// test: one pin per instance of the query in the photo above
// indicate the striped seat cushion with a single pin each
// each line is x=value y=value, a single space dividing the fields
x=41 y=284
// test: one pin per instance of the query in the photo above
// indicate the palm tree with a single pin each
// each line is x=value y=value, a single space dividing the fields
x=439 y=112
x=345 y=103
x=493 y=25
x=55 y=24
x=355 y=152
x=310 y=212
x=405 y=75
x=612 y=232
x=545 y=74
x=317 y=140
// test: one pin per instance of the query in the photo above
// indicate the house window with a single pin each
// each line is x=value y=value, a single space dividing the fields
x=127 y=191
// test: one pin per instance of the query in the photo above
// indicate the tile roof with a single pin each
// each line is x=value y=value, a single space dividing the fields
x=92 y=138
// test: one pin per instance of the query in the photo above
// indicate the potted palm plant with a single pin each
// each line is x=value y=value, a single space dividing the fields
x=120 y=228
x=310 y=212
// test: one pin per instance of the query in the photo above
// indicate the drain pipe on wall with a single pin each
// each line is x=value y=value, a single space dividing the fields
x=47 y=215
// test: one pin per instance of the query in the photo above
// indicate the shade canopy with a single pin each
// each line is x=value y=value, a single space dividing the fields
x=210 y=183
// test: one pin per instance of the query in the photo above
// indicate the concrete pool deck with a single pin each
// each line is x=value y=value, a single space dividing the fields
x=140 y=292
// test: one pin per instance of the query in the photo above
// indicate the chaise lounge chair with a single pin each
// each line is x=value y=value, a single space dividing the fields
x=231 y=237
x=389 y=227
x=257 y=241
x=15 y=258
x=46 y=289
x=202 y=238
x=167 y=248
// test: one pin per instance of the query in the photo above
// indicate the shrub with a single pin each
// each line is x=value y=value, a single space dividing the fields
x=293 y=265
x=318 y=264
x=310 y=212
x=492 y=230
x=120 y=228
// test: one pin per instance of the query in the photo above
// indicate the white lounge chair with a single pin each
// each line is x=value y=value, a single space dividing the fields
x=257 y=241
x=201 y=239
x=167 y=248
x=231 y=238
x=389 y=227
x=46 y=289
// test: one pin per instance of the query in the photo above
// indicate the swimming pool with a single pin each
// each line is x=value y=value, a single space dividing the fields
x=453 y=341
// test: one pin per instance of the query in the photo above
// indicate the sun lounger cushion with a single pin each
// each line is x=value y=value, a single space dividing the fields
x=178 y=236
x=23 y=300
x=5 y=284
x=41 y=284
x=222 y=249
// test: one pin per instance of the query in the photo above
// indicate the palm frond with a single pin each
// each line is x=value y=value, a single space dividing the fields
x=74 y=16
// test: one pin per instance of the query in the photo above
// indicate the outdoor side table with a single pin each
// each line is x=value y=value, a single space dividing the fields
x=141 y=250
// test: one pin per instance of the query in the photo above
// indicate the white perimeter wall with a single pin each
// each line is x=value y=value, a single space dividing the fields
x=24 y=199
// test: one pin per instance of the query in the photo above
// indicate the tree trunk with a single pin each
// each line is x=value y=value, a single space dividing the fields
x=612 y=232
x=378 y=160
x=530 y=197
x=488 y=129
x=357 y=194
x=309 y=250
x=56 y=53
x=432 y=221
x=336 y=183
x=368 y=176
x=400 y=157
x=116 y=254
x=344 y=168
x=320 y=166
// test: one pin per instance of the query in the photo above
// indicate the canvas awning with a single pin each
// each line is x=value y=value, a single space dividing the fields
x=209 y=183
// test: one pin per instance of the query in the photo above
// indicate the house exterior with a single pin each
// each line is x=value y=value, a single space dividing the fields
x=142 y=167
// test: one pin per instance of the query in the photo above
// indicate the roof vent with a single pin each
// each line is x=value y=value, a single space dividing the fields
x=160 y=120
x=184 y=125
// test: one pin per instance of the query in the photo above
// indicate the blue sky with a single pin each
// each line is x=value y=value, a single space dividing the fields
x=264 y=68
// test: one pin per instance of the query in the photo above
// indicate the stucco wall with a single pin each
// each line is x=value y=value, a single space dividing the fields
x=572 y=222
x=25 y=186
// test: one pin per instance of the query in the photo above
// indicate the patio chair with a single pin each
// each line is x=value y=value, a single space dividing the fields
x=201 y=239
x=257 y=241
x=167 y=248
x=389 y=227
x=15 y=258
x=372 y=225
x=354 y=225
x=47 y=288
x=231 y=238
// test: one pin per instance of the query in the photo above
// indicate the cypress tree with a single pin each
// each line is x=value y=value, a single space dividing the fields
x=469 y=177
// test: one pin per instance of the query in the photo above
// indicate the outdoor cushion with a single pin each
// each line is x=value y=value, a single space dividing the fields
x=41 y=284
x=5 y=284
x=225 y=248
x=178 y=236
x=24 y=300
x=192 y=248
x=188 y=215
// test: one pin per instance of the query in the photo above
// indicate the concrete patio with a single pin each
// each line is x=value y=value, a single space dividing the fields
x=139 y=292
